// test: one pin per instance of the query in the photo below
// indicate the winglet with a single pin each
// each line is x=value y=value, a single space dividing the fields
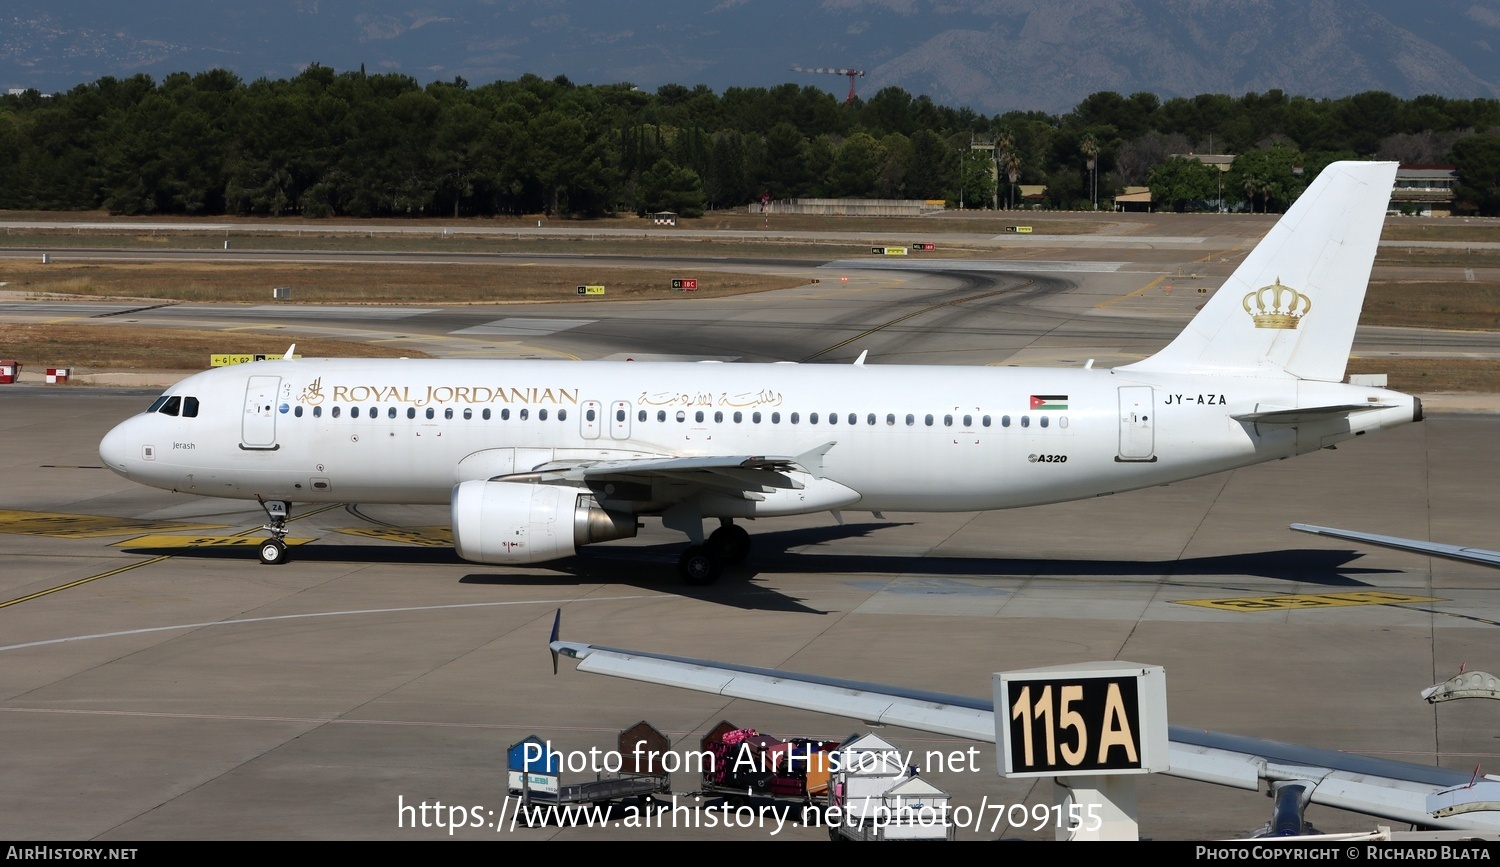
x=289 y=350
x=812 y=460
x=552 y=642
x=860 y=361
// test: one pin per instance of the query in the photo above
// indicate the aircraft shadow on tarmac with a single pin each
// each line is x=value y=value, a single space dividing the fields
x=652 y=567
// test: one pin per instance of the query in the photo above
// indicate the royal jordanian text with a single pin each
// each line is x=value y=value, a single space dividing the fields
x=448 y=394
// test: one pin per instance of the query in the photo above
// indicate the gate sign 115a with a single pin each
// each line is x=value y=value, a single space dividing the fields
x=1091 y=718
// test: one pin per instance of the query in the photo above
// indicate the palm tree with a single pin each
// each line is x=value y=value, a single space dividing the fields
x=1006 y=159
x=1090 y=148
x=1255 y=186
x=1012 y=164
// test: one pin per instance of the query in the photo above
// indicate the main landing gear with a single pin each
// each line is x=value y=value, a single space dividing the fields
x=701 y=564
x=273 y=552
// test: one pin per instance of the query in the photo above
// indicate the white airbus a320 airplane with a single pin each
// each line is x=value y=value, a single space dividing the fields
x=540 y=457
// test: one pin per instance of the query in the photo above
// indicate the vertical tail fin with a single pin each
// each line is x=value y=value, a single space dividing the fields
x=1290 y=308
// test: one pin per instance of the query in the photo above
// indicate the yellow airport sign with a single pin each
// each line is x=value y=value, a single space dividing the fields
x=426 y=537
x=65 y=526
x=223 y=359
x=164 y=541
x=888 y=251
x=1307 y=601
x=590 y=290
x=1022 y=230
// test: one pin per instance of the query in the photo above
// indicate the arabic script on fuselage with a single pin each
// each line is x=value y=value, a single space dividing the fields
x=764 y=397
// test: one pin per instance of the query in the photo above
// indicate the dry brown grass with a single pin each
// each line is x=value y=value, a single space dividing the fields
x=1420 y=375
x=366 y=284
x=1446 y=229
x=93 y=348
x=991 y=222
x=1461 y=306
x=1434 y=257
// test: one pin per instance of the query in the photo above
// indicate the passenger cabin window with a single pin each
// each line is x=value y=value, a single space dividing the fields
x=562 y=415
x=524 y=414
x=468 y=414
x=541 y=415
x=485 y=414
x=411 y=412
x=1044 y=421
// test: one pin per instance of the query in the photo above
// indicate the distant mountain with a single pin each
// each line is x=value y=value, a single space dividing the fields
x=991 y=55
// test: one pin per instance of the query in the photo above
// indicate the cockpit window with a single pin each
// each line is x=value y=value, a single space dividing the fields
x=156 y=405
x=190 y=407
x=172 y=406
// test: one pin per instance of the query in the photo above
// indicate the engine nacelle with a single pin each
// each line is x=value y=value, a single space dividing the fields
x=519 y=522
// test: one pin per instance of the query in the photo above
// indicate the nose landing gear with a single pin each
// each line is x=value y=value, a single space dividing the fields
x=273 y=552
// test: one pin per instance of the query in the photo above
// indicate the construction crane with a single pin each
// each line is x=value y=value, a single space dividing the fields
x=852 y=73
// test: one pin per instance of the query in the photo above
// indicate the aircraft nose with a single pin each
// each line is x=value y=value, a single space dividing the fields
x=115 y=448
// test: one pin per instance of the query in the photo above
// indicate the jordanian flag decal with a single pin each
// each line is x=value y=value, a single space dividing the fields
x=1049 y=401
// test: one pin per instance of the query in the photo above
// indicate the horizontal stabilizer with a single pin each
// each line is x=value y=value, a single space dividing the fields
x=1307 y=413
x=1417 y=546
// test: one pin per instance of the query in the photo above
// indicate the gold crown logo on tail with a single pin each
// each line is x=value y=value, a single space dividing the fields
x=1277 y=306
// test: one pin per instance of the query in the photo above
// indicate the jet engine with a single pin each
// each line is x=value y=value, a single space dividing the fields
x=520 y=522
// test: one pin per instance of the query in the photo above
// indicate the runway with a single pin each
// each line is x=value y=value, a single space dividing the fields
x=153 y=691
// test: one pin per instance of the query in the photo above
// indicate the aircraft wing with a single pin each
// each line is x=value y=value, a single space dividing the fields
x=1434 y=549
x=734 y=474
x=1398 y=791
